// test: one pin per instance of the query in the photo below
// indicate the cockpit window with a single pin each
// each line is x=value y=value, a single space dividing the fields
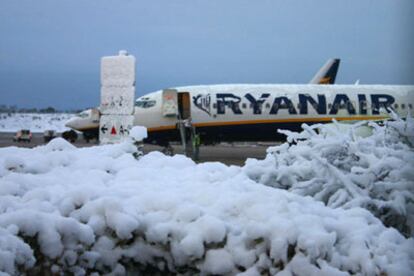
x=145 y=103
x=83 y=114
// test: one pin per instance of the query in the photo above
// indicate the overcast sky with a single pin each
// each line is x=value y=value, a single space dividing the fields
x=50 y=50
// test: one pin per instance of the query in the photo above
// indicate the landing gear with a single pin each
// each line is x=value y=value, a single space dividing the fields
x=90 y=135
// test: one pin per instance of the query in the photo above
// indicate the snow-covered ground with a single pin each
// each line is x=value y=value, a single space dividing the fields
x=99 y=210
x=35 y=122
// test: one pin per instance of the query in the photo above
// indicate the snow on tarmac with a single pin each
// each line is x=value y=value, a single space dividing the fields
x=35 y=122
x=99 y=210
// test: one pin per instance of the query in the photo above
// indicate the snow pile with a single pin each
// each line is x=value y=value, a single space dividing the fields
x=98 y=209
x=344 y=170
x=138 y=133
x=35 y=122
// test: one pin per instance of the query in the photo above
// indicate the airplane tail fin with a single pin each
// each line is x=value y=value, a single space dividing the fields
x=327 y=74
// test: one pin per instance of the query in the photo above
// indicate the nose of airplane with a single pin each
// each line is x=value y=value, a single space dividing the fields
x=72 y=123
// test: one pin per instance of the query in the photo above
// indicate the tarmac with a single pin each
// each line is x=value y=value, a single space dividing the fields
x=229 y=154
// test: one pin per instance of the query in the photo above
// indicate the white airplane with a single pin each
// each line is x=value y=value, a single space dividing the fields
x=254 y=112
x=87 y=121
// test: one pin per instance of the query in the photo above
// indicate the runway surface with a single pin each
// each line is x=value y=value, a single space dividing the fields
x=230 y=154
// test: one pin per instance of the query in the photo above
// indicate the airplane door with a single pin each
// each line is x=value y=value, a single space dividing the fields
x=169 y=103
x=184 y=105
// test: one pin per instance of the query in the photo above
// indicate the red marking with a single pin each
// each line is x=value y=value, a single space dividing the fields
x=113 y=131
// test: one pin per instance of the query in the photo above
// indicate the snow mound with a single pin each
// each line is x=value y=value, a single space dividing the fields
x=344 y=170
x=59 y=143
x=99 y=210
x=35 y=122
x=138 y=133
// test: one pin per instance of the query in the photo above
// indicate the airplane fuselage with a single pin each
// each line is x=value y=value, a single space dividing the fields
x=255 y=112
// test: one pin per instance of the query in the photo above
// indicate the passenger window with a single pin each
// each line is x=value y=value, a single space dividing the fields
x=214 y=105
x=268 y=105
x=395 y=106
x=403 y=106
x=83 y=114
x=410 y=106
x=244 y=106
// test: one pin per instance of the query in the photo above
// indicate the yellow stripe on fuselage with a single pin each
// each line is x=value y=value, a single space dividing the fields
x=87 y=128
x=270 y=121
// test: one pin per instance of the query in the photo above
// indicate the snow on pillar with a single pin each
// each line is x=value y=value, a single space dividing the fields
x=117 y=97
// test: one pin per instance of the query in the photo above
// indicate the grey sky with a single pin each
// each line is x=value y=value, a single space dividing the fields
x=50 y=50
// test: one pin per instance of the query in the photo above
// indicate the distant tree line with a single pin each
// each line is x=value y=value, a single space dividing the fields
x=15 y=109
